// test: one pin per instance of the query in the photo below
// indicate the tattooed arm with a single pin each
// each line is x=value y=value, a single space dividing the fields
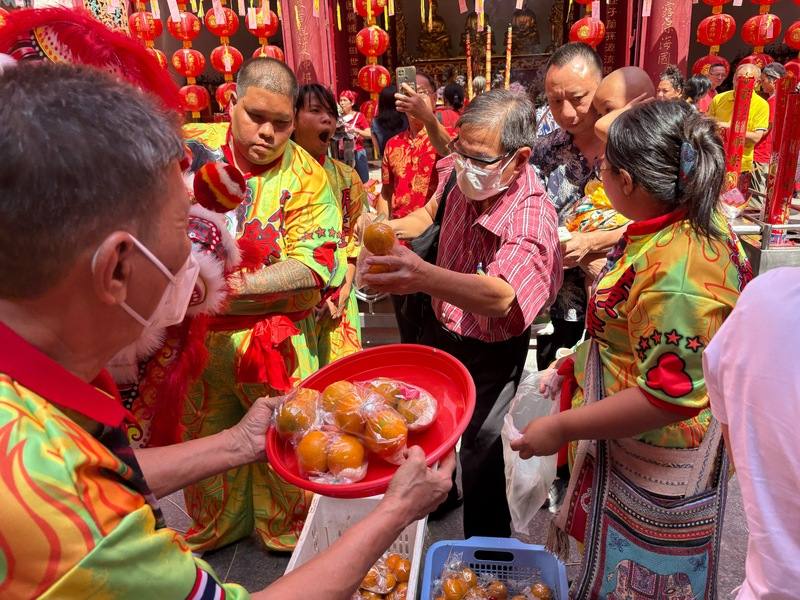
x=286 y=286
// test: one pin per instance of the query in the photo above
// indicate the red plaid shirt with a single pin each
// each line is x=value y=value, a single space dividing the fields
x=516 y=239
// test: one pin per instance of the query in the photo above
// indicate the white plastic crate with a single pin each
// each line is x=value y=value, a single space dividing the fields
x=328 y=518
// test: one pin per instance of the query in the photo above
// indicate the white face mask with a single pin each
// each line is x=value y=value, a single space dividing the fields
x=176 y=297
x=478 y=183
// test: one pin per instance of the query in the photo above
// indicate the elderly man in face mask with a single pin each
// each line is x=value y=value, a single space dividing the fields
x=94 y=247
x=498 y=266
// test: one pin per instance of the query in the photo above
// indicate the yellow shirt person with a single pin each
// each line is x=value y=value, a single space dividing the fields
x=721 y=109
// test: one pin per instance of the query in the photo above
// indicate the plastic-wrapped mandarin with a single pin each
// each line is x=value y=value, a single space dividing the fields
x=344 y=452
x=312 y=452
x=379 y=238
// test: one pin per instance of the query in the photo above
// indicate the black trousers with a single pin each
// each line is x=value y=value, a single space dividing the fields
x=565 y=335
x=496 y=369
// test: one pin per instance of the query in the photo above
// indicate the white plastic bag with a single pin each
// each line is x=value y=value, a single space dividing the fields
x=527 y=481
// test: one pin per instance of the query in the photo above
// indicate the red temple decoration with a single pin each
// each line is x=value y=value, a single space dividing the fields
x=144 y=26
x=372 y=42
x=713 y=31
x=590 y=29
x=3 y=16
x=188 y=62
x=792 y=39
x=263 y=23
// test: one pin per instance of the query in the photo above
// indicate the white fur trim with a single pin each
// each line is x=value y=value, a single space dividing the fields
x=216 y=291
x=233 y=255
x=124 y=367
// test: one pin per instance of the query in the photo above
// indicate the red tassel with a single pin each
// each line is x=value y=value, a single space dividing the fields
x=192 y=357
x=264 y=361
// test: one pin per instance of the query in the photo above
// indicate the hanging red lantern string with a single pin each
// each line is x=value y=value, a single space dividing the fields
x=761 y=30
x=188 y=62
x=144 y=26
x=590 y=29
x=792 y=39
x=223 y=22
x=263 y=23
x=713 y=31
x=372 y=42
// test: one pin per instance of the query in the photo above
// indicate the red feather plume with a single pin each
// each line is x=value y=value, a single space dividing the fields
x=92 y=43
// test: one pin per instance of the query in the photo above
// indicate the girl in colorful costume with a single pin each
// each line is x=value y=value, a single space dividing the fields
x=338 y=321
x=639 y=401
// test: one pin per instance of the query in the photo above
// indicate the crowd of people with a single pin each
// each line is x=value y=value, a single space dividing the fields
x=165 y=284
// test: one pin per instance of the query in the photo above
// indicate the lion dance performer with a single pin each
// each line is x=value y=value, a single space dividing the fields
x=153 y=374
x=289 y=228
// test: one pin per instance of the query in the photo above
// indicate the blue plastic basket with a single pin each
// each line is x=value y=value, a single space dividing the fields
x=503 y=558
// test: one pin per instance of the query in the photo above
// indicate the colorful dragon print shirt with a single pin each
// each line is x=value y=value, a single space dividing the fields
x=77 y=518
x=663 y=295
x=289 y=211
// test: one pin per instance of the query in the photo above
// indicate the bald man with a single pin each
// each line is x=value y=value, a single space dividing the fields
x=622 y=87
x=721 y=109
x=266 y=342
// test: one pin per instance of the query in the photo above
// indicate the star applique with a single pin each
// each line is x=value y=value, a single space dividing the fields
x=319 y=232
x=644 y=343
x=332 y=232
x=656 y=337
x=673 y=337
x=307 y=236
x=642 y=355
x=694 y=344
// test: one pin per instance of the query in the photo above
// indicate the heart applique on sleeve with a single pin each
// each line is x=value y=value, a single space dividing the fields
x=670 y=376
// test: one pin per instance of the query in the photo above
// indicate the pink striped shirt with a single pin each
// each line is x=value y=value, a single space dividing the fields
x=516 y=239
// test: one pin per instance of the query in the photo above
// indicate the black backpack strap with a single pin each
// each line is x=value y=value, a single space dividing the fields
x=448 y=187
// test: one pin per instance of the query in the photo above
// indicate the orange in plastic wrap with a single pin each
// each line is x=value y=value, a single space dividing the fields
x=470 y=577
x=379 y=238
x=387 y=389
x=497 y=590
x=332 y=394
x=386 y=432
x=541 y=592
x=393 y=560
x=454 y=588
x=312 y=452
x=347 y=414
x=399 y=593
x=344 y=452
x=297 y=414
x=403 y=570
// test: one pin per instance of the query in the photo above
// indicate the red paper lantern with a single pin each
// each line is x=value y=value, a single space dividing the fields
x=226 y=59
x=145 y=26
x=761 y=30
x=717 y=2
x=760 y=59
x=194 y=98
x=589 y=31
x=186 y=28
x=269 y=52
x=716 y=30
x=793 y=67
x=224 y=93
x=763 y=2
x=792 y=38
x=372 y=41
x=226 y=26
x=188 y=62
x=377 y=7
x=159 y=56
x=703 y=65
x=368 y=109
x=260 y=28
x=3 y=18
x=373 y=78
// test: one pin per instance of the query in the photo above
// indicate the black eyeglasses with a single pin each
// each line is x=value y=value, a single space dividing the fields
x=451 y=147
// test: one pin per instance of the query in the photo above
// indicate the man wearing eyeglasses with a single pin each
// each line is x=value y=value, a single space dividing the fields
x=498 y=267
